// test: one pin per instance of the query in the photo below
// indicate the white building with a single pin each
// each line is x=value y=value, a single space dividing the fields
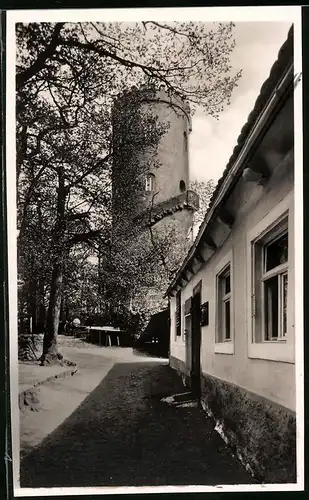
x=232 y=300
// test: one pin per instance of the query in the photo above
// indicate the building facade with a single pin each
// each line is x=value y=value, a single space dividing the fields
x=232 y=301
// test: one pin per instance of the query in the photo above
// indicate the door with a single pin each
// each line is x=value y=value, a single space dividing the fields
x=196 y=341
x=188 y=334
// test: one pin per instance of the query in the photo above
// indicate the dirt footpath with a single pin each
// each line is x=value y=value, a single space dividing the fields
x=60 y=397
x=126 y=433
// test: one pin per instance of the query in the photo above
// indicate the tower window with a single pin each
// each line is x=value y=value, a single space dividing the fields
x=182 y=186
x=185 y=141
x=149 y=182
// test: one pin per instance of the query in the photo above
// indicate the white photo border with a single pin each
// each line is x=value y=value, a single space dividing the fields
x=290 y=14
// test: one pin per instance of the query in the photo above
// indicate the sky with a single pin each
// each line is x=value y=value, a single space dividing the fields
x=212 y=142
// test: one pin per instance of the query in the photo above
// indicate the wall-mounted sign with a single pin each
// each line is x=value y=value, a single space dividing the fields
x=188 y=305
x=205 y=314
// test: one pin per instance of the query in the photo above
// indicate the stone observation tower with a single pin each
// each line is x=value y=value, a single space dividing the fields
x=150 y=175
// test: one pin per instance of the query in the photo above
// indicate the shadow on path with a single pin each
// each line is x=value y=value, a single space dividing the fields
x=124 y=435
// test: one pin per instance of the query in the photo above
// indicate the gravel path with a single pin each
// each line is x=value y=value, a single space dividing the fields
x=122 y=434
x=59 y=398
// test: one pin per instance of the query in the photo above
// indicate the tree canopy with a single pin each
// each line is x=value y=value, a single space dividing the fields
x=67 y=78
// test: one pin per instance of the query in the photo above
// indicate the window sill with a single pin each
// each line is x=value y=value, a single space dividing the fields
x=224 y=348
x=272 y=351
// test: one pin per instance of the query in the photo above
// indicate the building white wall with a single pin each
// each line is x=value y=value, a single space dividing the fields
x=272 y=379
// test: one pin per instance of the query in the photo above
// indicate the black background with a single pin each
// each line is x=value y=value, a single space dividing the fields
x=4 y=333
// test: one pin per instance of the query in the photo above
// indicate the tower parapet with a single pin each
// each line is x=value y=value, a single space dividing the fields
x=144 y=95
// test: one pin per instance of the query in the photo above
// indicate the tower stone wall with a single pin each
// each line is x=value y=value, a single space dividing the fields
x=164 y=207
x=173 y=151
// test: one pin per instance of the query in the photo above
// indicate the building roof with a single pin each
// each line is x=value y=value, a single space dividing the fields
x=268 y=89
x=285 y=57
x=158 y=326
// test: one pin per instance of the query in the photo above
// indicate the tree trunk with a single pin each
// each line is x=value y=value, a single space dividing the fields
x=50 y=348
x=41 y=311
x=62 y=307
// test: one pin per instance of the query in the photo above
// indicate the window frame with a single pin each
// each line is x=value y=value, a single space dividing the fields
x=225 y=346
x=274 y=224
x=187 y=317
x=182 y=186
x=278 y=271
x=178 y=312
x=185 y=141
x=149 y=181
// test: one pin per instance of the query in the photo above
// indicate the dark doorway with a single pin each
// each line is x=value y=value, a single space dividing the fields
x=196 y=341
x=188 y=333
x=155 y=340
x=182 y=186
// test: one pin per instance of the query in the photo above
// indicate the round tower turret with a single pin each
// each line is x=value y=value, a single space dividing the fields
x=152 y=204
x=151 y=167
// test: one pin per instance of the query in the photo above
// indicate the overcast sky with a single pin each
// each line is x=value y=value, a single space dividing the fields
x=212 y=142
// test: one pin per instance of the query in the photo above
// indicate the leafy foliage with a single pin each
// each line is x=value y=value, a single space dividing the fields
x=204 y=190
x=190 y=58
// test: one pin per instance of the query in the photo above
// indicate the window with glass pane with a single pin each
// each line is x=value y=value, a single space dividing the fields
x=185 y=139
x=270 y=286
x=187 y=329
x=227 y=316
x=188 y=319
x=224 y=306
x=178 y=314
x=275 y=281
x=276 y=252
x=149 y=182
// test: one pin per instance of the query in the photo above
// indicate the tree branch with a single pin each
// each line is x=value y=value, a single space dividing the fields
x=84 y=237
x=80 y=216
x=93 y=47
x=39 y=63
x=28 y=200
x=91 y=170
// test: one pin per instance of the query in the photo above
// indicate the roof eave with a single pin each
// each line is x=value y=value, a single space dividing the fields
x=233 y=174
